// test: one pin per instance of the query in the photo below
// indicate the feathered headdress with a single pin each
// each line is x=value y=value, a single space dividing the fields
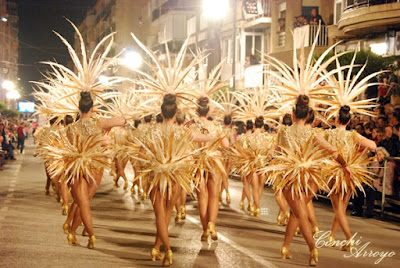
x=305 y=77
x=255 y=103
x=346 y=89
x=169 y=77
x=58 y=94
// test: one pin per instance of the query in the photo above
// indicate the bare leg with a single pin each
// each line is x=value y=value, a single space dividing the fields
x=213 y=186
x=335 y=226
x=65 y=194
x=281 y=201
x=202 y=197
x=255 y=190
x=83 y=193
x=340 y=206
x=246 y=188
x=160 y=212
x=298 y=207
x=176 y=192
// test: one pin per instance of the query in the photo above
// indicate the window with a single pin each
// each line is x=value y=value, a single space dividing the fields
x=338 y=10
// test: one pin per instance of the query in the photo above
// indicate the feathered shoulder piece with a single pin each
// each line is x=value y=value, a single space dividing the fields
x=348 y=87
x=58 y=93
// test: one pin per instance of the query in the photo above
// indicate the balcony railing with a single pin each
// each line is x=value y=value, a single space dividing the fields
x=353 y=4
x=308 y=33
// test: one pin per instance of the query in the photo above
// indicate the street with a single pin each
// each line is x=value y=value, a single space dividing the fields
x=31 y=230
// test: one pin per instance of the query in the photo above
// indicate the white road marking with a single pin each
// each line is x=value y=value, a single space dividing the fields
x=245 y=251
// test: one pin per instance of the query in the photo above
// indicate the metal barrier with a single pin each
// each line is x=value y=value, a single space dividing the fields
x=383 y=201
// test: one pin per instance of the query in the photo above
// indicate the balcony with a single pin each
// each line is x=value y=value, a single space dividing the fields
x=362 y=17
x=308 y=33
x=174 y=27
x=257 y=14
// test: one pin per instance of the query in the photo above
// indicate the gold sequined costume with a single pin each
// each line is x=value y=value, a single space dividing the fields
x=356 y=160
x=166 y=158
x=249 y=153
x=299 y=163
x=209 y=157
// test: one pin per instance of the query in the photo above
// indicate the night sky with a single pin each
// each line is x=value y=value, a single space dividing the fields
x=37 y=19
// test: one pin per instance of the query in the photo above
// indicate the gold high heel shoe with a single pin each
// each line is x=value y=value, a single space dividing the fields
x=220 y=198
x=204 y=236
x=280 y=220
x=331 y=241
x=65 y=228
x=213 y=231
x=251 y=208
x=133 y=189
x=286 y=218
x=228 y=198
x=297 y=231
x=92 y=242
x=144 y=196
x=126 y=185
x=155 y=254
x=65 y=209
x=84 y=232
x=178 y=217
x=168 y=258
x=241 y=205
x=115 y=184
x=313 y=257
x=315 y=231
x=183 y=212
x=286 y=254
x=256 y=212
x=71 y=239
x=348 y=246
x=57 y=197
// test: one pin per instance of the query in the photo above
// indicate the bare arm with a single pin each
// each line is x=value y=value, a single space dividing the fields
x=107 y=123
x=320 y=141
x=364 y=142
x=198 y=137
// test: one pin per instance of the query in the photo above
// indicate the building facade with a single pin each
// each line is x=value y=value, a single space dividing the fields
x=249 y=30
x=8 y=46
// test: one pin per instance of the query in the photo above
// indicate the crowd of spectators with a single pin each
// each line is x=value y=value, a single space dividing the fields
x=313 y=19
x=13 y=133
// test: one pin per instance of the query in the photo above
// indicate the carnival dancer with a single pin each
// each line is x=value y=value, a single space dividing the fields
x=79 y=154
x=298 y=169
x=342 y=186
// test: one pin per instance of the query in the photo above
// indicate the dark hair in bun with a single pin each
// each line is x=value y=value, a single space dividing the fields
x=68 y=119
x=169 y=107
x=249 y=125
x=259 y=123
x=287 y=120
x=344 y=115
x=86 y=102
x=227 y=119
x=137 y=123
x=147 y=118
x=302 y=108
x=159 y=118
x=203 y=107
x=310 y=117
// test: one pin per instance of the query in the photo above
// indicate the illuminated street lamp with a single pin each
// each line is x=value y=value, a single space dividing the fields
x=13 y=95
x=8 y=85
x=379 y=48
x=215 y=9
x=4 y=19
x=131 y=59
